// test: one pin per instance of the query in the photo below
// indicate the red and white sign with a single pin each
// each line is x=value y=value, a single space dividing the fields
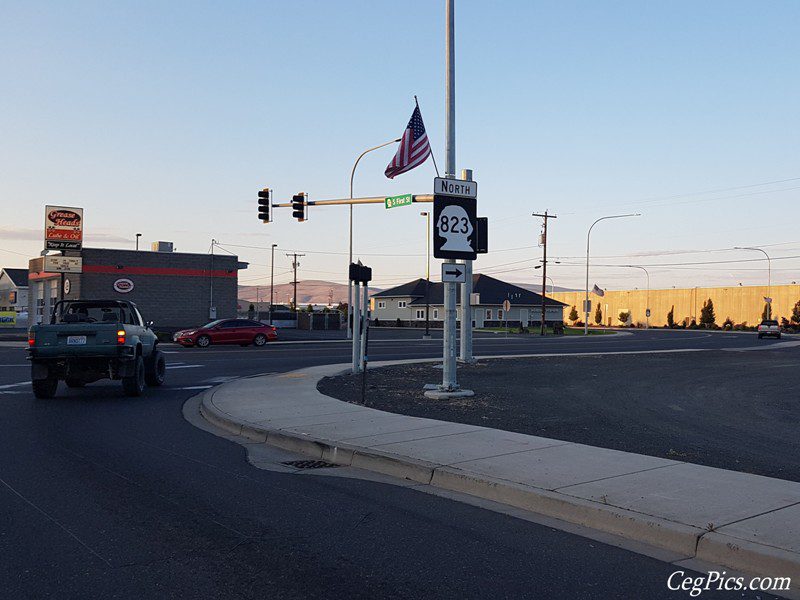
x=63 y=228
x=123 y=286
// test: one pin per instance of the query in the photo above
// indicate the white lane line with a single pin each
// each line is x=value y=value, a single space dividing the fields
x=12 y=385
x=184 y=366
x=17 y=365
x=196 y=387
x=7 y=392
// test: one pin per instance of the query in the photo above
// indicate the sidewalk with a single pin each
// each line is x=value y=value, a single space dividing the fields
x=737 y=520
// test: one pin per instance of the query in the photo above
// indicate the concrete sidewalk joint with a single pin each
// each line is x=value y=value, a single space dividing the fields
x=737 y=520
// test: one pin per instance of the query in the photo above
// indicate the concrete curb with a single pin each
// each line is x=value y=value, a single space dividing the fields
x=688 y=541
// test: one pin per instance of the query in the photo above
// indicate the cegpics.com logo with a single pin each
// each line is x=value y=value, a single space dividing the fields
x=714 y=580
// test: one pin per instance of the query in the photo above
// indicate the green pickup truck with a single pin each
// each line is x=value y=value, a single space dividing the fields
x=87 y=340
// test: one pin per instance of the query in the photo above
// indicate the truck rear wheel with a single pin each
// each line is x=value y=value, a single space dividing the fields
x=134 y=385
x=156 y=369
x=45 y=388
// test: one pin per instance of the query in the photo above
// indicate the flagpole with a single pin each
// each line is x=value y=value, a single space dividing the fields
x=449 y=381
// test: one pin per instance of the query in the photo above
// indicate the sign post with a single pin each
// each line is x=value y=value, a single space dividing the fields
x=455 y=225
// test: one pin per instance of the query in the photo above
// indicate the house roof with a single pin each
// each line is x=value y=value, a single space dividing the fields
x=19 y=277
x=492 y=292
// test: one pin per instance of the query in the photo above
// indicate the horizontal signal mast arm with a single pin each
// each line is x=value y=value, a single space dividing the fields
x=370 y=200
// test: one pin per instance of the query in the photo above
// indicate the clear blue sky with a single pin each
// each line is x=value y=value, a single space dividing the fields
x=167 y=117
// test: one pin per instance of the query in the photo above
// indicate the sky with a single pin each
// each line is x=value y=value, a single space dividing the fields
x=166 y=118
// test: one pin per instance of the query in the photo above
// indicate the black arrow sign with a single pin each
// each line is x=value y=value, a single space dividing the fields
x=456 y=273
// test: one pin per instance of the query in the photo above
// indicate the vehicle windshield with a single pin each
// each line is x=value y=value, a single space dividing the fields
x=93 y=312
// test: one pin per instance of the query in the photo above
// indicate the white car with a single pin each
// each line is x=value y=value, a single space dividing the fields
x=769 y=328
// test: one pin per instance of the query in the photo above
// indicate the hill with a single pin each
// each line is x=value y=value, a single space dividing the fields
x=309 y=291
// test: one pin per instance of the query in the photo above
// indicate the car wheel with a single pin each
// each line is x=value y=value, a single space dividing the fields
x=760 y=336
x=45 y=388
x=260 y=339
x=134 y=385
x=157 y=370
x=75 y=383
x=203 y=341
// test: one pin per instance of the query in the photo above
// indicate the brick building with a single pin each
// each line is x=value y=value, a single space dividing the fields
x=172 y=289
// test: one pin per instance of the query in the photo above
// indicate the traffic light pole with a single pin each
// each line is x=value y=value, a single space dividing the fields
x=449 y=379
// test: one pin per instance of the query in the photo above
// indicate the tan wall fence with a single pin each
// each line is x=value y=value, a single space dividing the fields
x=741 y=304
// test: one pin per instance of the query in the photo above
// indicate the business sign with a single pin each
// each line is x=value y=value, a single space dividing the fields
x=67 y=286
x=63 y=228
x=453 y=273
x=8 y=319
x=63 y=264
x=123 y=286
x=393 y=201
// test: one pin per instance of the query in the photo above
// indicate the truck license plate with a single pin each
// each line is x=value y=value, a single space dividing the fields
x=76 y=340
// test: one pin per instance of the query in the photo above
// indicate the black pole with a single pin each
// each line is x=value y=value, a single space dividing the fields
x=366 y=360
x=544 y=277
x=271 y=283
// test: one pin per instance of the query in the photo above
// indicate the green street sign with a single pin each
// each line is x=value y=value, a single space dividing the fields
x=393 y=201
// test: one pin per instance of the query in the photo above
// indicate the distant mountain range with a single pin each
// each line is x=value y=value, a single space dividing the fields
x=309 y=291
x=320 y=292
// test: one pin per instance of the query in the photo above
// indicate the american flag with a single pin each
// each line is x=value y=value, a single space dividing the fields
x=414 y=147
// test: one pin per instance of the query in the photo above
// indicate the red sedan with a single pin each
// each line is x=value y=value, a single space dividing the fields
x=227 y=331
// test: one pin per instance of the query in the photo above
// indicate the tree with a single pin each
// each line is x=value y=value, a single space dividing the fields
x=624 y=317
x=251 y=311
x=796 y=313
x=573 y=314
x=309 y=308
x=671 y=317
x=598 y=315
x=707 y=316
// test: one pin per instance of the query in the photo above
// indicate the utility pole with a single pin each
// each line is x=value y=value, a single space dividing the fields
x=295 y=264
x=272 y=282
x=427 y=215
x=449 y=381
x=545 y=218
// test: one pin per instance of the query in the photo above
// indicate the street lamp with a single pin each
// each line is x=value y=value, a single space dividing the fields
x=138 y=235
x=350 y=283
x=550 y=279
x=272 y=282
x=769 y=276
x=647 y=299
x=588 y=235
x=427 y=216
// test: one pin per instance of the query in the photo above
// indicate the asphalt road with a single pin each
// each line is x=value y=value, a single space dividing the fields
x=103 y=496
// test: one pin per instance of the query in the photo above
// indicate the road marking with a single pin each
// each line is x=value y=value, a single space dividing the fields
x=11 y=385
x=183 y=366
x=7 y=392
x=16 y=365
x=196 y=387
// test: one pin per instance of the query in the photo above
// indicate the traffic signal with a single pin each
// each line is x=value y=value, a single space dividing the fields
x=265 y=205
x=300 y=207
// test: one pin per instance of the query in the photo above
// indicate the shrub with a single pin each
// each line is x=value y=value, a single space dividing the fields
x=671 y=317
x=624 y=317
x=573 y=314
x=598 y=315
x=693 y=324
x=728 y=324
x=796 y=313
x=707 y=316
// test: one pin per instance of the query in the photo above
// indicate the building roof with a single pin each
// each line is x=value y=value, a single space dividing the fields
x=492 y=292
x=19 y=277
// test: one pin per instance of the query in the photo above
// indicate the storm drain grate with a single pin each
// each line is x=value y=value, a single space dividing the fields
x=310 y=464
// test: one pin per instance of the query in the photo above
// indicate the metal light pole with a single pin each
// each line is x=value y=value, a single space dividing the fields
x=588 y=236
x=350 y=283
x=647 y=298
x=427 y=216
x=769 y=275
x=272 y=282
x=138 y=235
x=449 y=381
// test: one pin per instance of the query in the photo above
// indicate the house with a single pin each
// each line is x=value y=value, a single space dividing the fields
x=14 y=290
x=405 y=304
